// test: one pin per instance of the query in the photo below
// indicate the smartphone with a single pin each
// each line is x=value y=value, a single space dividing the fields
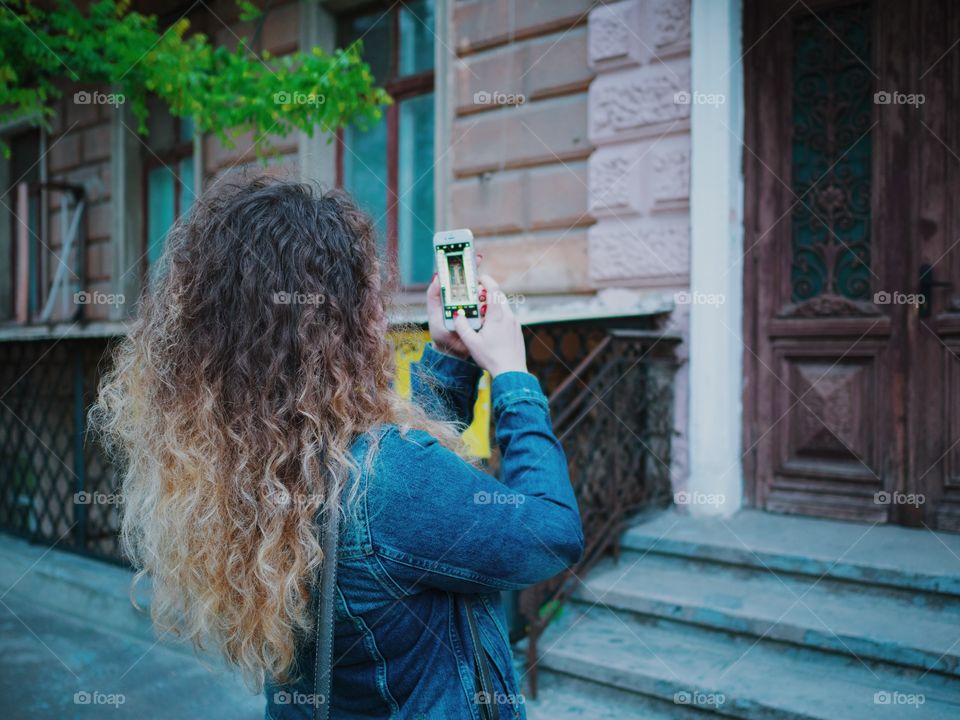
x=457 y=270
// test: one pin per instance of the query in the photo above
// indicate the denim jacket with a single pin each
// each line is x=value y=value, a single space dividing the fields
x=434 y=538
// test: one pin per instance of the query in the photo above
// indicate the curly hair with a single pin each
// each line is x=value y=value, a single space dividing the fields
x=259 y=355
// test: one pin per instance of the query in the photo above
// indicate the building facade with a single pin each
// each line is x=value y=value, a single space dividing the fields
x=752 y=179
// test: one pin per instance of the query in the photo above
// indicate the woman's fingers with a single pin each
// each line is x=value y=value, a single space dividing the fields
x=466 y=333
x=489 y=283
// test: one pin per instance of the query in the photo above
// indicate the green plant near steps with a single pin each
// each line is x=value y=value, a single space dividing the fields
x=227 y=92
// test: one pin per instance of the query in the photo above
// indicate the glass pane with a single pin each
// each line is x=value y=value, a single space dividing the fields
x=160 y=184
x=187 y=191
x=415 y=187
x=365 y=173
x=186 y=129
x=832 y=106
x=373 y=29
x=416 y=37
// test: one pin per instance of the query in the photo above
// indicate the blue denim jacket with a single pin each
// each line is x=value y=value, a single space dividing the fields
x=435 y=538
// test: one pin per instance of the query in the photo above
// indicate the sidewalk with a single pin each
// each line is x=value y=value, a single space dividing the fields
x=70 y=649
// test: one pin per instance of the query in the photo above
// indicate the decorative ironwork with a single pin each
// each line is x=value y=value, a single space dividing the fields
x=55 y=485
x=612 y=412
x=831 y=153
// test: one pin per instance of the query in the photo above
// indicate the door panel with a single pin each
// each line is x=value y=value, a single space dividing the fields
x=826 y=216
x=934 y=427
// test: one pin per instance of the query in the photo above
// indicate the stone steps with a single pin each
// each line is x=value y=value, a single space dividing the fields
x=733 y=676
x=870 y=554
x=760 y=616
x=912 y=629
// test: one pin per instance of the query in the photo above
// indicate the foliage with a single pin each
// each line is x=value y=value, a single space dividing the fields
x=227 y=92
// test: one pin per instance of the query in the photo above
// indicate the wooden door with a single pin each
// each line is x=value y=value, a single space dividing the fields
x=847 y=195
x=933 y=428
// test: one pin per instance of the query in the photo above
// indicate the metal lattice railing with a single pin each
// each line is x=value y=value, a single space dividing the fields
x=56 y=487
x=613 y=413
x=610 y=392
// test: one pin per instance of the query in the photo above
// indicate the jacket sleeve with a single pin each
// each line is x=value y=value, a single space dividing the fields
x=451 y=526
x=445 y=386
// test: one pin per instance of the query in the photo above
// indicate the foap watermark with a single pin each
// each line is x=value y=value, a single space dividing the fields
x=699 y=98
x=284 y=697
x=499 y=698
x=298 y=98
x=895 y=697
x=882 y=297
x=286 y=499
x=83 y=297
x=898 y=498
x=695 y=497
x=498 y=498
x=299 y=298
x=509 y=298
x=84 y=97
x=95 y=697
x=97 y=498
x=699 y=298
x=699 y=698
x=495 y=97
x=895 y=97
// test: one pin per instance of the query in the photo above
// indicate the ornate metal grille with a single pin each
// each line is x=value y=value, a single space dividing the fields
x=55 y=485
x=610 y=394
x=612 y=412
x=831 y=153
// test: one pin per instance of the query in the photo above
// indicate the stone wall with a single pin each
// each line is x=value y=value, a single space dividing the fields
x=519 y=143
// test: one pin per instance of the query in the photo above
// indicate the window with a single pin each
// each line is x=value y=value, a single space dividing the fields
x=168 y=168
x=25 y=281
x=389 y=167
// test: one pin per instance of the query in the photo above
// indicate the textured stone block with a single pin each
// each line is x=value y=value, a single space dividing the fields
x=617 y=180
x=615 y=36
x=640 y=249
x=639 y=103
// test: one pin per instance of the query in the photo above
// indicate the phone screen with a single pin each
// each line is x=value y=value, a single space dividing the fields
x=458 y=283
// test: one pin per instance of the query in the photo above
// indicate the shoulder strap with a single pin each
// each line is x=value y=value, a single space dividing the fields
x=486 y=692
x=323 y=658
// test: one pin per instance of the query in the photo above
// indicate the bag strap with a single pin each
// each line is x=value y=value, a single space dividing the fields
x=486 y=696
x=323 y=642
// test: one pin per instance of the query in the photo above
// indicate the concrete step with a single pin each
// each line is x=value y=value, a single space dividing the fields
x=907 y=628
x=562 y=697
x=733 y=675
x=886 y=555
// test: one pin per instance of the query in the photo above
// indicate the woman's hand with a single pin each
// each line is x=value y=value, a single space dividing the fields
x=498 y=346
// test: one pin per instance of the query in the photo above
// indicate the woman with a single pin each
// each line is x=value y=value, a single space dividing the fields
x=254 y=394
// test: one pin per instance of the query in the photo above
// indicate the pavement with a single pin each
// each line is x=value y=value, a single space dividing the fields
x=66 y=652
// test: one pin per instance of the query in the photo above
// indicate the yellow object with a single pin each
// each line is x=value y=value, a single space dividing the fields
x=408 y=347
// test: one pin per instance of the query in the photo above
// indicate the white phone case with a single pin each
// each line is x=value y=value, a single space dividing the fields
x=468 y=284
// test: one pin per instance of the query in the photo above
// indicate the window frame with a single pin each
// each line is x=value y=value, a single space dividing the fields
x=170 y=159
x=400 y=88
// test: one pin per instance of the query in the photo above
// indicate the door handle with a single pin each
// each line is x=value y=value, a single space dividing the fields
x=925 y=289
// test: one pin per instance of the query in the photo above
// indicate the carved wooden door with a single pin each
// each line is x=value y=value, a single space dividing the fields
x=852 y=396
